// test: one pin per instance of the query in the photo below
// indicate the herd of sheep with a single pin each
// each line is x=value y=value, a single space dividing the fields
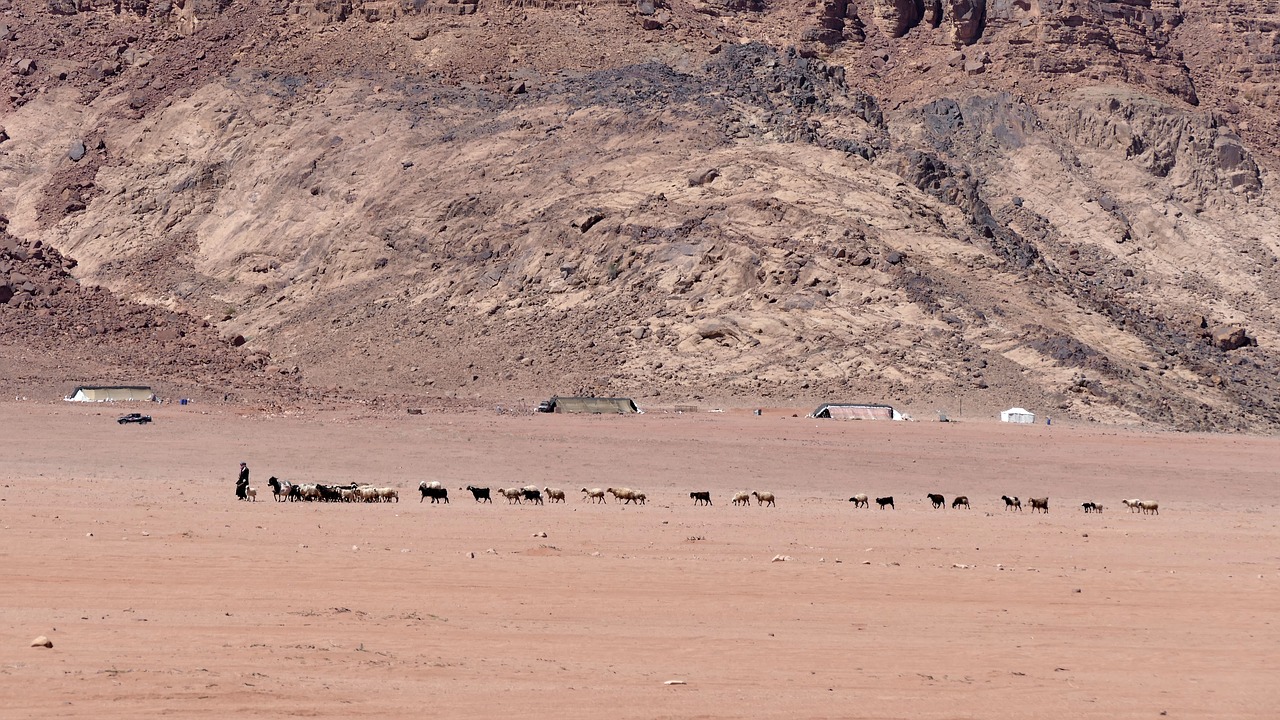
x=327 y=493
x=436 y=492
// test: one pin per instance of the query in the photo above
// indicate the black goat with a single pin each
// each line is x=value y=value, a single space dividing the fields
x=480 y=494
x=701 y=497
x=436 y=494
x=332 y=493
x=1011 y=503
x=885 y=501
x=937 y=500
x=960 y=500
x=533 y=496
x=280 y=490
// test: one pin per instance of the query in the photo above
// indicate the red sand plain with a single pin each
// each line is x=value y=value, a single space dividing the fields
x=187 y=603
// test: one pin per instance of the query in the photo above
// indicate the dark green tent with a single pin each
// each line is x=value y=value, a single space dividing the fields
x=594 y=405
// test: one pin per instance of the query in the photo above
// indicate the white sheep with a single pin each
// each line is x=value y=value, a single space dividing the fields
x=367 y=493
x=554 y=494
x=309 y=492
x=764 y=497
x=510 y=494
x=627 y=495
x=387 y=494
x=594 y=494
x=860 y=500
x=1148 y=507
x=1131 y=504
x=742 y=498
x=251 y=494
x=348 y=495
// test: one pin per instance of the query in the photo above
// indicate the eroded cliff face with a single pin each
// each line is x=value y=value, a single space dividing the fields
x=1037 y=202
x=961 y=21
x=895 y=17
x=1129 y=42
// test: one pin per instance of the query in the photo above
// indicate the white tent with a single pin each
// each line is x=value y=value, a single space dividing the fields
x=1017 y=415
x=111 y=393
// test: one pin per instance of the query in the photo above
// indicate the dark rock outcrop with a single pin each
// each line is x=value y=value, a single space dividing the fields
x=1230 y=337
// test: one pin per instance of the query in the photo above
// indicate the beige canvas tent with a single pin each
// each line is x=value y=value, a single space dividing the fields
x=111 y=393
x=856 y=411
x=593 y=405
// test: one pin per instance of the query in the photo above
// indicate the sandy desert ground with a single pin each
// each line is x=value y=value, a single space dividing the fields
x=164 y=596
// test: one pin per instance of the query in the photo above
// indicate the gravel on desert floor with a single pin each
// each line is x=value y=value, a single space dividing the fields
x=162 y=594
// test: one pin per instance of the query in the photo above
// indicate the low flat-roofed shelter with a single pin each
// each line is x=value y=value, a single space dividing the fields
x=856 y=411
x=594 y=405
x=111 y=393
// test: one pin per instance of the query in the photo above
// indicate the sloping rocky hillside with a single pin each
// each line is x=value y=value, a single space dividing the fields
x=1061 y=204
x=56 y=329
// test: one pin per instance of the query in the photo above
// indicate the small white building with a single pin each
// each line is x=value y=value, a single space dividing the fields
x=1018 y=415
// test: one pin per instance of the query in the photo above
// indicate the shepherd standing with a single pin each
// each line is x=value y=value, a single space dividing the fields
x=242 y=484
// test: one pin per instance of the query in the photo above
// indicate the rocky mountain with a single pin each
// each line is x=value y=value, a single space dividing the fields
x=1066 y=204
x=57 y=329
